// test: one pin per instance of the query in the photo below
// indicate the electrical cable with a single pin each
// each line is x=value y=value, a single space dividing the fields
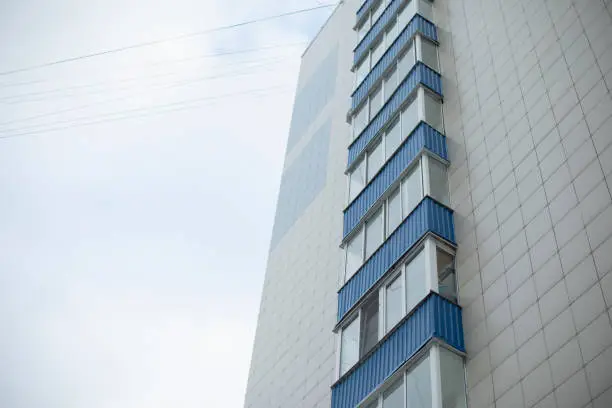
x=63 y=94
x=140 y=77
x=161 y=41
x=117 y=99
x=177 y=107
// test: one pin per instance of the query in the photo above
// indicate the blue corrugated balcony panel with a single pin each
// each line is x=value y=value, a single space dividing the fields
x=422 y=137
x=434 y=318
x=378 y=27
x=417 y=24
x=420 y=74
x=428 y=216
x=364 y=9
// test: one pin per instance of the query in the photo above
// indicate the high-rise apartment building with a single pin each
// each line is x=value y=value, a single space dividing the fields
x=443 y=235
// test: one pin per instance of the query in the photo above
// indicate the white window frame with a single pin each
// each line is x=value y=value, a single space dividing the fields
x=417 y=46
x=355 y=318
x=432 y=356
x=428 y=248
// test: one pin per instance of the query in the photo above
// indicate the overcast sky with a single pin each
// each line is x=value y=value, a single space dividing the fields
x=134 y=226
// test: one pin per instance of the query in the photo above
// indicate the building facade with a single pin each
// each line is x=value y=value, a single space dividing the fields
x=443 y=235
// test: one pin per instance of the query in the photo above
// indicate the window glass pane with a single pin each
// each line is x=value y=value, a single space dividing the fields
x=376 y=158
x=374 y=233
x=453 y=380
x=393 y=138
x=362 y=71
x=410 y=117
x=361 y=120
x=425 y=9
x=369 y=324
x=429 y=54
x=394 y=396
x=415 y=281
x=349 y=347
x=354 y=255
x=446 y=274
x=376 y=101
x=391 y=34
x=405 y=63
x=393 y=303
x=433 y=113
x=406 y=14
x=357 y=180
x=377 y=52
x=390 y=83
x=394 y=211
x=418 y=386
x=363 y=30
x=412 y=190
x=438 y=180
x=377 y=11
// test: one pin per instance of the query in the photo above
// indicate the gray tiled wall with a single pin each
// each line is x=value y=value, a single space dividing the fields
x=293 y=359
x=528 y=113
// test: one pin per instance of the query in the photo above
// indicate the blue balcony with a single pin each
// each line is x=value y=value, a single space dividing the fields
x=428 y=216
x=422 y=137
x=365 y=7
x=417 y=24
x=378 y=28
x=434 y=318
x=419 y=74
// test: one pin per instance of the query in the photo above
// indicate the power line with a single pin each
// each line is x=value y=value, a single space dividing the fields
x=119 y=99
x=173 y=107
x=140 y=77
x=161 y=41
x=53 y=94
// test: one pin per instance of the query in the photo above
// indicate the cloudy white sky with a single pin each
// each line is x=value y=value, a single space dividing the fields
x=137 y=195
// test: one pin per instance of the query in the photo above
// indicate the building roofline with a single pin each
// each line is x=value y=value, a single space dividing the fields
x=341 y=2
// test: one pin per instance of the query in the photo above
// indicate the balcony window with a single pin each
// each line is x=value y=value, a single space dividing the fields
x=394 y=303
x=447 y=285
x=390 y=83
x=418 y=386
x=452 y=379
x=377 y=51
x=410 y=117
x=406 y=62
x=429 y=54
x=376 y=101
x=376 y=158
x=349 y=348
x=438 y=181
x=394 y=396
x=374 y=233
x=394 y=211
x=360 y=120
x=416 y=286
x=393 y=138
x=412 y=190
x=433 y=112
x=369 y=325
x=354 y=255
x=357 y=179
x=362 y=71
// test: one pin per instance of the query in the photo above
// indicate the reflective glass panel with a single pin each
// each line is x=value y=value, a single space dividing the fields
x=418 y=386
x=453 y=380
x=412 y=190
x=376 y=158
x=349 y=348
x=354 y=255
x=416 y=288
x=374 y=233
x=394 y=299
